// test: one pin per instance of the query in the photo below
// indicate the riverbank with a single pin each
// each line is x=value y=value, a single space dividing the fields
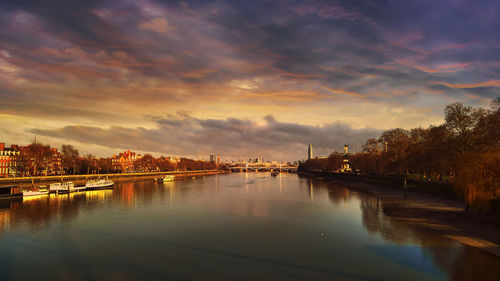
x=427 y=212
x=81 y=179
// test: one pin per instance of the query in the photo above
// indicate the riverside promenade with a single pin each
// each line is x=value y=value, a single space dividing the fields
x=81 y=179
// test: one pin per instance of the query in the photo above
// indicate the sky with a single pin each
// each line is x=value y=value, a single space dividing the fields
x=239 y=78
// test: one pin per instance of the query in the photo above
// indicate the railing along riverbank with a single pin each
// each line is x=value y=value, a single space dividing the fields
x=81 y=179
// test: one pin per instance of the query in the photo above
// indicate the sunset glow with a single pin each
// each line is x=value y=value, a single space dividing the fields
x=239 y=78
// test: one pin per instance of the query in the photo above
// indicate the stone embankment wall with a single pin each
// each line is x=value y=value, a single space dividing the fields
x=81 y=179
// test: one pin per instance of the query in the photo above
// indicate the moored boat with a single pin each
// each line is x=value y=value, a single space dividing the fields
x=62 y=187
x=70 y=187
x=166 y=178
x=57 y=187
x=98 y=184
x=74 y=188
x=275 y=173
x=42 y=190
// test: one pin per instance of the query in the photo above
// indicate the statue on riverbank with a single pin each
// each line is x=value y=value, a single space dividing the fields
x=346 y=167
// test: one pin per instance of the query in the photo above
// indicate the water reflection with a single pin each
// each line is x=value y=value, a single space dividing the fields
x=311 y=190
x=253 y=224
x=460 y=262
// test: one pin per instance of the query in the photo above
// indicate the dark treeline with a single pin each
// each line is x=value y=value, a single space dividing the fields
x=465 y=151
x=37 y=159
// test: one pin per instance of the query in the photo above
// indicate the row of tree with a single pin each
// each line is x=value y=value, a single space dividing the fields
x=40 y=159
x=465 y=150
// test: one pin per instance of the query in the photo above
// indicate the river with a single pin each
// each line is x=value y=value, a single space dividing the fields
x=239 y=226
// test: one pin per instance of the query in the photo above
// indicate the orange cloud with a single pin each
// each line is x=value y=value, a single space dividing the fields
x=448 y=68
x=490 y=83
x=344 y=92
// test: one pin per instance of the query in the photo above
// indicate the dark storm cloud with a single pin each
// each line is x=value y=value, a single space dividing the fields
x=286 y=38
x=71 y=20
x=184 y=134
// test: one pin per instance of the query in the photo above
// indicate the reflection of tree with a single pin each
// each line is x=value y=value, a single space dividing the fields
x=460 y=262
x=338 y=194
x=39 y=212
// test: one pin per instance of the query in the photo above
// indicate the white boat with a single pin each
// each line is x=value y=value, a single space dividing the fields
x=166 y=178
x=70 y=186
x=36 y=192
x=57 y=187
x=99 y=183
x=74 y=188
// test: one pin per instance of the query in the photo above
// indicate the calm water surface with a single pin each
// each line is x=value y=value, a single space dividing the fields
x=227 y=227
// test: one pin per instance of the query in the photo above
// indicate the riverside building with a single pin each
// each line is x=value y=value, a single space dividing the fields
x=8 y=160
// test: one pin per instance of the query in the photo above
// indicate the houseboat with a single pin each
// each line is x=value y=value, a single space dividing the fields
x=99 y=184
x=42 y=190
x=73 y=188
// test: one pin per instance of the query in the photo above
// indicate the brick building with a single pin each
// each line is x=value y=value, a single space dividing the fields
x=8 y=160
x=124 y=161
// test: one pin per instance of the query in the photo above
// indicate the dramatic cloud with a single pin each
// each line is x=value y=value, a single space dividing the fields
x=109 y=64
x=183 y=134
x=159 y=25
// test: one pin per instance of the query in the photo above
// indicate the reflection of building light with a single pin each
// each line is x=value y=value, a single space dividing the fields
x=281 y=184
x=311 y=190
x=34 y=198
x=246 y=182
x=4 y=218
x=54 y=198
x=346 y=196
x=127 y=194
x=172 y=193
x=98 y=194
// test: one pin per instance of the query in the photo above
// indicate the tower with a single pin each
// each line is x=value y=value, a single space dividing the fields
x=310 y=152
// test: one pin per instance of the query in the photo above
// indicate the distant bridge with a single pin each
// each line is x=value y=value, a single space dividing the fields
x=289 y=169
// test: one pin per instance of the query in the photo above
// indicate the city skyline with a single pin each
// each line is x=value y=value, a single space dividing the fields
x=244 y=79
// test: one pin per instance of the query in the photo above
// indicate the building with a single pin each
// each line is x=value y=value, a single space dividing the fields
x=346 y=167
x=174 y=159
x=55 y=164
x=257 y=160
x=310 y=152
x=124 y=161
x=8 y=160
x=213 y=157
